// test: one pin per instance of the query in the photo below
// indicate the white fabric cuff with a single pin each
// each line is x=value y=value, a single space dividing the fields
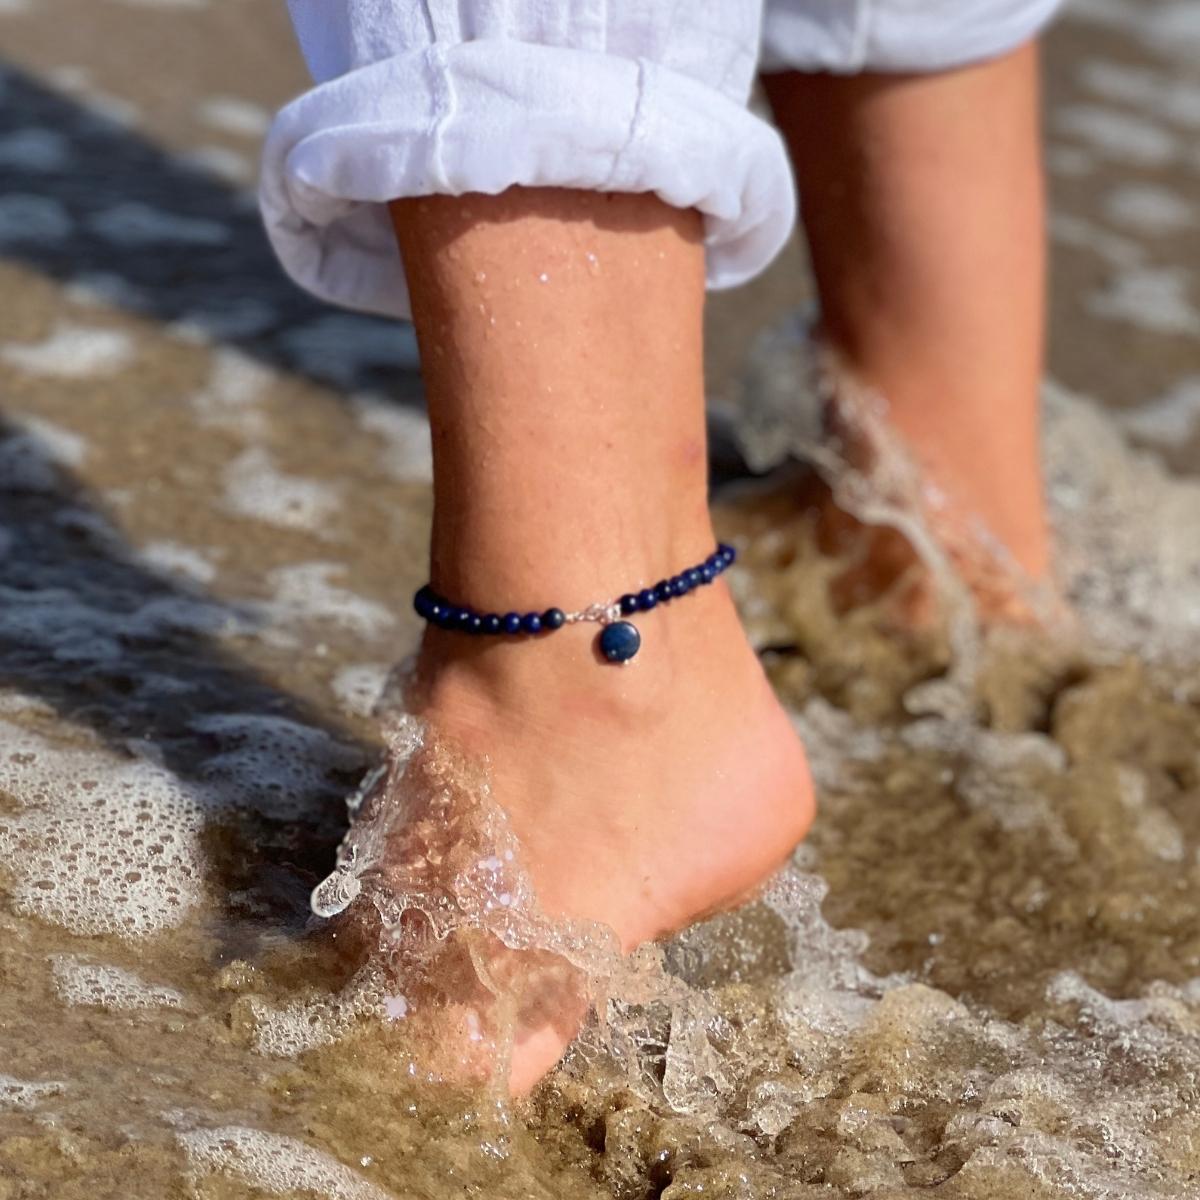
x=847 y=36
x=481 y=116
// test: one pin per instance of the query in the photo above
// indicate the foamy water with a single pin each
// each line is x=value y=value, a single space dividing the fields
x=980 y=974
x=1005 y=1001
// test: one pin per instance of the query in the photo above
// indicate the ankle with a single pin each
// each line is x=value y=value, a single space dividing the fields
x=559 y=678
x=496 y=563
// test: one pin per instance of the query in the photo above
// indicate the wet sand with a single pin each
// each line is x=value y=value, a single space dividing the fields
x=979 y=977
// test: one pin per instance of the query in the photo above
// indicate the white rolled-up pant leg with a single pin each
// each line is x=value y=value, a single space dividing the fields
x=847 y=36
x=417 y=97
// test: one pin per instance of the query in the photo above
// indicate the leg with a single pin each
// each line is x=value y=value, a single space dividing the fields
x=922 y=201
x=560 y=340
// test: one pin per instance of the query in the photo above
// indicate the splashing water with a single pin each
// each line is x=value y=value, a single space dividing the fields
x=979 y=973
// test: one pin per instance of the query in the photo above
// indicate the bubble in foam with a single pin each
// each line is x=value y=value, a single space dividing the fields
x=403 y=436
x=1169 y=420
x=73 y=352
x=1126 y=533
x=177 y=559
x=359 y=687
x=233 y=114
x=27 y=1093
x=307 y=591
x=97 y=844
x=103 y=985
x=1124 y=527
x=30 y=458
x=1121 y=135
x=255 y=487
x=285 y=1031
x=275 y=1163
x=1149 y=209
x=270 y=763
x=1153 y=298
x=232 y=396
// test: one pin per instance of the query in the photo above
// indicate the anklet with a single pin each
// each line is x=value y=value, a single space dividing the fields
x=619 y=640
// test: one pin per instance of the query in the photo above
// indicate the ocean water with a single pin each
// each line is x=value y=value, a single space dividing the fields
x=981 y=973
x=979 y=977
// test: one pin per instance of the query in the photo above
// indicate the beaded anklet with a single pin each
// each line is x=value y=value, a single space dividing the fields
x=619 y=640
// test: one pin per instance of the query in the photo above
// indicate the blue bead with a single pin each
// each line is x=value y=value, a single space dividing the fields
x=646 y=599
x=727 y=552
x=663 y=590
x=512 y=622
x=492 y=623
x=680 y=586
x=692 y=575
x=553 y=618
x=462 y=619
x=620 y=641
x=629 y=603
x=531 y=623
x=707 y=574
x=475 y=625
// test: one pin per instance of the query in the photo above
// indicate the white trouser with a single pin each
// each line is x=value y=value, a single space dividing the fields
x=450 y=96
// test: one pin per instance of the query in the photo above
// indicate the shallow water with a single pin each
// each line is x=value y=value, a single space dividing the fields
x=980 y=974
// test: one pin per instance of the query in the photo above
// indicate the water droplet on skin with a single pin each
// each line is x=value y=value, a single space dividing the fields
x=480 y=276
x=543 y=278
x=593 y=264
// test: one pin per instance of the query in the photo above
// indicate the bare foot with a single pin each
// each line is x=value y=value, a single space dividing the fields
x=642 y=797
x=903 y=517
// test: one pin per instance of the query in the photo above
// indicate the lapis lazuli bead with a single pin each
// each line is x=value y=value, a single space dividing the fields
x=620 y=641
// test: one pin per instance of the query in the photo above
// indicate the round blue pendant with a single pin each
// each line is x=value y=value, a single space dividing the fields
x=620 y=641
